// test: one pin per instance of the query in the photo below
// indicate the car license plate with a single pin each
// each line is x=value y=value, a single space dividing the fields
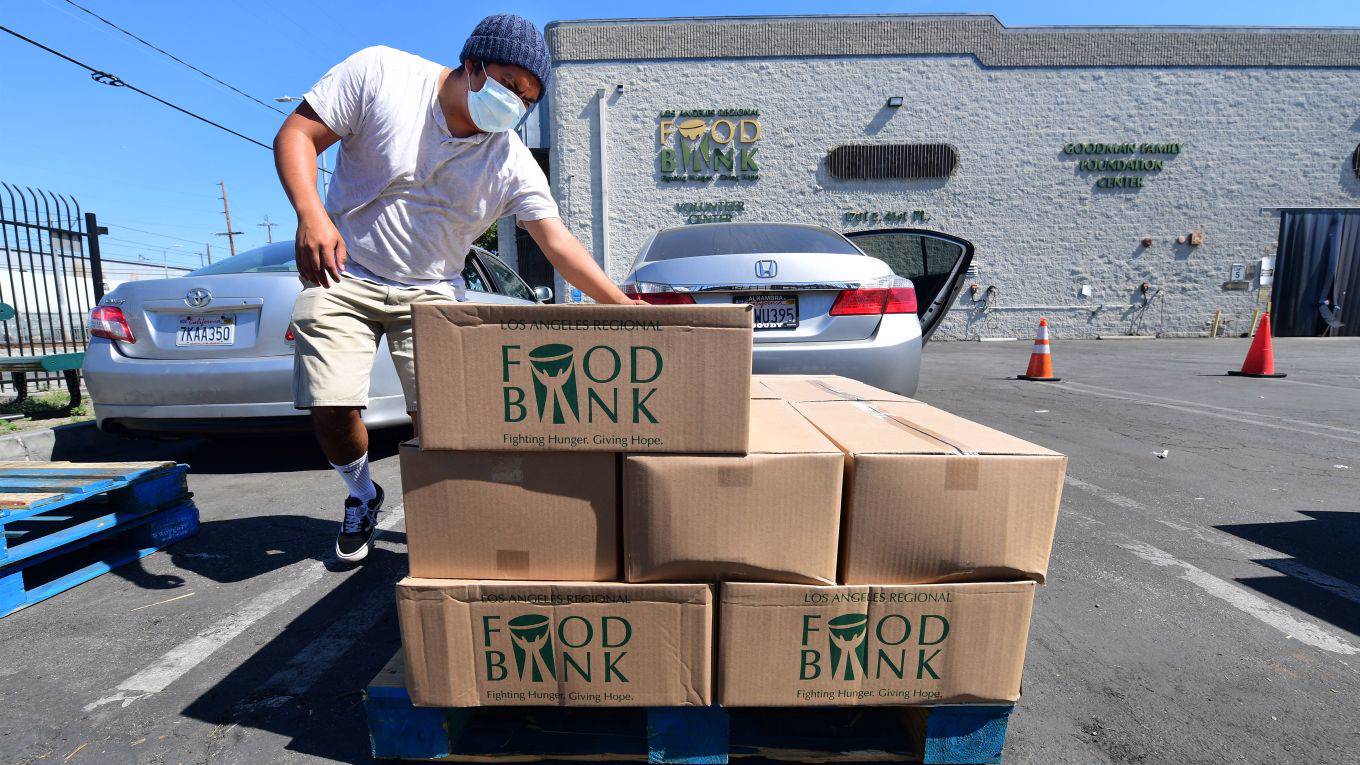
x=772 y=311
x=215 y=329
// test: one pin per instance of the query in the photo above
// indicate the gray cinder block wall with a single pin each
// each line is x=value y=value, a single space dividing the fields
x=1265 y=119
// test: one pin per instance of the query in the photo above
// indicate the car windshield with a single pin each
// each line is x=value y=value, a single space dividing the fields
x=745 y=239
x=273 y=258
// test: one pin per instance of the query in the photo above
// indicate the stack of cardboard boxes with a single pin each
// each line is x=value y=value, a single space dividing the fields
x=606 y=509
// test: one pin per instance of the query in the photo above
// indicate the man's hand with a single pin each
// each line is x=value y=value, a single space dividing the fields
x=571 y=260
x=321 y=251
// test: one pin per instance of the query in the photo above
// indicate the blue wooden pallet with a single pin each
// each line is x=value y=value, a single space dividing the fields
x=64 y=523
x=947 y=735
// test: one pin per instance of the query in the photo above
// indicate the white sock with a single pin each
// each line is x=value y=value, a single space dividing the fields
x=357 y=479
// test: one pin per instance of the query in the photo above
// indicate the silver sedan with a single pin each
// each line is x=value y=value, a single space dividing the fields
x=212 y=351
x=823 y=303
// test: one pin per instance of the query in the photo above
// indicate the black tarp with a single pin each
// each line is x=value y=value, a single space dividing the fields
x=1316 y=272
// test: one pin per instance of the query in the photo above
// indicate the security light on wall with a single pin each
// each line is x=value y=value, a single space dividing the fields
x=894 y=101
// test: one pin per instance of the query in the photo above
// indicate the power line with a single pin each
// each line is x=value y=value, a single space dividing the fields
x=109 y=79
x=151 y=245
x=153 y=233
x=148 y=253
x=159 y=223
x=176 y=58
x=127 y=244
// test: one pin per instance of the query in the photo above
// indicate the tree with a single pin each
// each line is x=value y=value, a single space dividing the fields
x=487 y=240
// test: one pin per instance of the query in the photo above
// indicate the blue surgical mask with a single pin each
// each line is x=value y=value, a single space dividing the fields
x=495 y=108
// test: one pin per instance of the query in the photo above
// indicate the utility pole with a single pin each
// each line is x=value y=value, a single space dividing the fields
x=208 y=250
x=268 y=226
x=226 y=210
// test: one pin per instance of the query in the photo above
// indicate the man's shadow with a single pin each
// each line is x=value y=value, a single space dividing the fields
x=237 y=549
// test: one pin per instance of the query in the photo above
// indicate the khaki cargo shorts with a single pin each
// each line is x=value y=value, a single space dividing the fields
x=337 y=330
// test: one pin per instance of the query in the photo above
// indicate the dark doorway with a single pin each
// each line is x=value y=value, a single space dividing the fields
x=935 y=263
x=533 y=267
x=1317 y=268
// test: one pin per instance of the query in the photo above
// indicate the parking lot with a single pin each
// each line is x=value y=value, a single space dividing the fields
x=1204 y=603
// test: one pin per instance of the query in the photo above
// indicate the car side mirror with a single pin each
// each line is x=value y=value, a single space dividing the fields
x=543 y=294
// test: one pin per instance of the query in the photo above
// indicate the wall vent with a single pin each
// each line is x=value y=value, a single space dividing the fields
x=892 y=161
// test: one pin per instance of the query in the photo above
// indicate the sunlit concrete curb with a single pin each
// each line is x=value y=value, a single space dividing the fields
x=39 y=444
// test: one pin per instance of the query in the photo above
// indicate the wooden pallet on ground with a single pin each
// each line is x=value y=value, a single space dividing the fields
x=64 y=523
x=955 y=735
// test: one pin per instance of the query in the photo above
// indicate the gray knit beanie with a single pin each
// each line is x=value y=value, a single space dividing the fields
x=510 y=39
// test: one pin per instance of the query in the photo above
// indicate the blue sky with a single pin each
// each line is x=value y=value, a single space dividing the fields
x=151 y=173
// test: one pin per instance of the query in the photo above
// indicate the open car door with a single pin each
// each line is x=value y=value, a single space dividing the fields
x=935 y=263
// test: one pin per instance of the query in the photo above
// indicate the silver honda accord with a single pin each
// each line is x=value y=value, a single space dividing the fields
x=858 y=305
x=212 y=351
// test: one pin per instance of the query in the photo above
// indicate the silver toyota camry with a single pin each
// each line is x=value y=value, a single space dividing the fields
x=858 y=304
x=212 y=351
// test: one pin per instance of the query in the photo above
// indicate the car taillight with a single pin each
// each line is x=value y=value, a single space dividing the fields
x=658 y=298
x=875 y=301
x=109 y=322
x=288 y=334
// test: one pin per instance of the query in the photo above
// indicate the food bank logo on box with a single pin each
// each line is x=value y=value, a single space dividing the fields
x=854 y=647
x=536 y=651
x=531 y=636
x=598 y=384
x=554 y=368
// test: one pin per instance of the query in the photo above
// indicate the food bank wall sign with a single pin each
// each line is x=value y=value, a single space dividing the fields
x=708 y=144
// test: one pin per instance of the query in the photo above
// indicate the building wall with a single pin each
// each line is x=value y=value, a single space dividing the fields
x=1254 y=140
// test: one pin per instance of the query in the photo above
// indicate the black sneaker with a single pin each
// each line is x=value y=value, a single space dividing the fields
x=359 y=528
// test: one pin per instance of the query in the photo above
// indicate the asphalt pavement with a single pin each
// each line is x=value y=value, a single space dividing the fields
x=1204 y=602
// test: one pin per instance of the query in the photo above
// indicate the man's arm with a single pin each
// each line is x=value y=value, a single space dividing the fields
x=571 y=260
x=320 y=248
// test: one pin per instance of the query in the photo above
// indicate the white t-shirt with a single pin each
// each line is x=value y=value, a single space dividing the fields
x=408 y=197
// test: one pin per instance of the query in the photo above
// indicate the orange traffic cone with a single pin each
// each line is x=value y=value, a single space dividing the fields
x=1260 y=361
x=1040 y=360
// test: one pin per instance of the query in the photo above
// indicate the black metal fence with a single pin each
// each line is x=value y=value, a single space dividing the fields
x=49 y=252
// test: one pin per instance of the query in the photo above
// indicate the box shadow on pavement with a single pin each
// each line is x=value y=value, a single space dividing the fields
x=263 y=452
x=1326 y=544
x=275 y=452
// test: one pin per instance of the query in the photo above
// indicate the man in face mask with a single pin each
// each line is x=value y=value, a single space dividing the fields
x=428 y=161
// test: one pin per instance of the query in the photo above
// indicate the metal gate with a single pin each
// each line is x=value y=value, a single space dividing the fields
x=49 y=250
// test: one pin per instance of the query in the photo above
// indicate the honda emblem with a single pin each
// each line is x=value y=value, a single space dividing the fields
x=766 y=269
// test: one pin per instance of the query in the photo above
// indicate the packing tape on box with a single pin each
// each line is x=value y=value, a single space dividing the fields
x=961 y=474
x=507 y=469
x=739 y=474
x=835 y=391
x=911 y=427
x=512 y=562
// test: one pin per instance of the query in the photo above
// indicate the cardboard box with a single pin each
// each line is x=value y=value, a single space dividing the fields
x=872 y=645
x=931 y=497
x=503 y=515
x=583 y=378
x=803 y=388
x=772 y=515
x=580 y=644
